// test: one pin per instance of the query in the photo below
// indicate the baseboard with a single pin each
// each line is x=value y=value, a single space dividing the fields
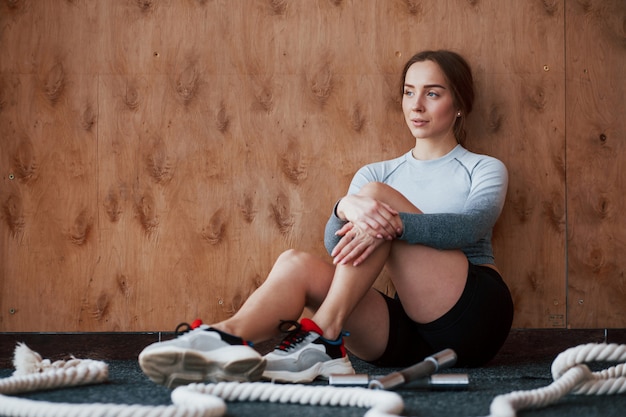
x=532 y=344
x=526 y=343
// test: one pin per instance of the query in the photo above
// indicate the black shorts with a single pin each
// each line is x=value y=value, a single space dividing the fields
x=475 y=328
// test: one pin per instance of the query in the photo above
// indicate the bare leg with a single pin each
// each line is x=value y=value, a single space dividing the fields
x=297 y=280
x=349 y=285
x=300 y=280
x=429 y=280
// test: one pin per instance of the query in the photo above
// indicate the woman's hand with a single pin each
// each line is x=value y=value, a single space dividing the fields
x=370 y=216
x=354 y=246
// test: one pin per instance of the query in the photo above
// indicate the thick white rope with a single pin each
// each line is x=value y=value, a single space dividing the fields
x=195 y=400
x=207 y=400
x=380 y=403
x=570 y=376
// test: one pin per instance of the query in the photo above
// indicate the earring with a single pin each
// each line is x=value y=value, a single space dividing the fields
x=458 y=114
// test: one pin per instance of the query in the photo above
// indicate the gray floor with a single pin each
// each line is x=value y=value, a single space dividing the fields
x=127 y=385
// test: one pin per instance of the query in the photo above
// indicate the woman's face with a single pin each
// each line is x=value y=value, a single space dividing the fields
x=428 y=104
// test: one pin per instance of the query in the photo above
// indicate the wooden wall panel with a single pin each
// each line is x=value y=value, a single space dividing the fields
x=157 y=156
x=50 y=203
x=40 y=35
x=529 y=240
x=520 y=119
x=596 y=151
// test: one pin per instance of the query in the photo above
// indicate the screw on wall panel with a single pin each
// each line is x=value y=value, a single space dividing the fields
x=581 y=302
x=546 y=68
x=11 y=176
x=12 y=311
x=220 y=301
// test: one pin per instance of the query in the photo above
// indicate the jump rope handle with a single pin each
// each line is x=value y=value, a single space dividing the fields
x=430 y=365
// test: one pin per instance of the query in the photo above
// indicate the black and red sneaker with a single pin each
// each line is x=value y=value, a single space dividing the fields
x=305 y=355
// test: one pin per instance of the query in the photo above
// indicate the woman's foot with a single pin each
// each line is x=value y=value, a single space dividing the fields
x=305 y=355
x=202 y=354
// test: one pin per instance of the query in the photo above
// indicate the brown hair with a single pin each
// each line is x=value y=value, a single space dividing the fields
x=458 y=74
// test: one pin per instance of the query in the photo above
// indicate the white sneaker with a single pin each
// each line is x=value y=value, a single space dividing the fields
x=201 y=355
x=305 y=355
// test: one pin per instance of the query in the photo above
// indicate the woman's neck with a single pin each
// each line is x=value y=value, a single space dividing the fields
x=425 y=150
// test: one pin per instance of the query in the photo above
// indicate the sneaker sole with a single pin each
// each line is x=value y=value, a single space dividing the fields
x=173 y=367
x=341 y=366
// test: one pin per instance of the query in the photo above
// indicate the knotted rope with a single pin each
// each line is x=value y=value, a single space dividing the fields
x=195 y=400
x=570 y=376
x=207 y=400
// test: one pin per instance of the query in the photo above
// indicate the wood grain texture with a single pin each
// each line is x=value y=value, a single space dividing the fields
x=49 y=197
x=596 y=151
x=157 y=156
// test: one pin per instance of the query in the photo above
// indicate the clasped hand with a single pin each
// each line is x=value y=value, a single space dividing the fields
x=370 y=224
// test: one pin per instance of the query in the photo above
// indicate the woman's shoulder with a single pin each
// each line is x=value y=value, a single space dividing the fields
x=387 y=163
x=377 y=171
x=470 y=158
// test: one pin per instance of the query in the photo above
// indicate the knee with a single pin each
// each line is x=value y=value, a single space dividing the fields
x=374 y=189
x=383 y=192
x=380 y=191
x=292 y=258
x=293 y=267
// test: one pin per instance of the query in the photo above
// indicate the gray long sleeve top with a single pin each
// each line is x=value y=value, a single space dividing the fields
x=460 y=194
